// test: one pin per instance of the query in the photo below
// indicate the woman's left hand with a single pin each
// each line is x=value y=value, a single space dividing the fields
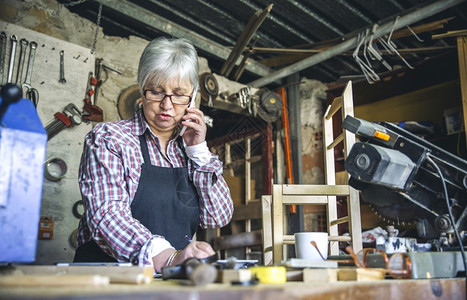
x=196 y=128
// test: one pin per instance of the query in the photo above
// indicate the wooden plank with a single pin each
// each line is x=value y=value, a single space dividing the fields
x=355 y=222
x=340 y=220
x=267 y=229
x=455 y=33
x=267 y=156
x=353 y=199
x=116 y=274
x=290 y=239
x=348 y=110
x=360 y=274
x=231 y=275
x=335 y=142
x=316 y=189
x=235 y=52
x=277 y=219
x=335 y=106
x=319 y=275
x=329 y=159
x=54 y=280
x=247 y=211
x=242 y=239
x=304 y=199
x=462 y=56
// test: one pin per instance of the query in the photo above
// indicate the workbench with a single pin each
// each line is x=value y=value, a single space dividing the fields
x=425 y=289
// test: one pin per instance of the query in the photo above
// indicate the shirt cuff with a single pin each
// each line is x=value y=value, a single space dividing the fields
x=158 y=245
x=154 y=246
x=199 y=153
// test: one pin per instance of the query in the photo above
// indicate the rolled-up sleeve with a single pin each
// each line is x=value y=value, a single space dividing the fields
x=216 y=205
x=107 y=201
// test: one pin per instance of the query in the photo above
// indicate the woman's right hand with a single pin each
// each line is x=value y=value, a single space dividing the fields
x=194 y=249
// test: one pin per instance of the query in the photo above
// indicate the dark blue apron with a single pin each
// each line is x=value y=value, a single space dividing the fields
x=166 y=202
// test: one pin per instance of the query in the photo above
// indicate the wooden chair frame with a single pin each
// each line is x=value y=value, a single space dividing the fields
x=324 y=194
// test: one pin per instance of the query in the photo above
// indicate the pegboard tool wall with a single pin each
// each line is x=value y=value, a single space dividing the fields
x=58 y=197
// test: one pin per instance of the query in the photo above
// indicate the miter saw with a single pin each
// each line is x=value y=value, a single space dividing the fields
x=406 y=179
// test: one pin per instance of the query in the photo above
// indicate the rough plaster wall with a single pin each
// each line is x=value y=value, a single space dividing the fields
x=122 y=54
x=58 y=197
x=312 y=101
x=51 y=18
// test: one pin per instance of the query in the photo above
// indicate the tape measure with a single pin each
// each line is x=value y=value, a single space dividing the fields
x=270 y=274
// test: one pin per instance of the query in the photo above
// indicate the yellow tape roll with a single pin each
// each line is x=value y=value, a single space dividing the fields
x=269 y=274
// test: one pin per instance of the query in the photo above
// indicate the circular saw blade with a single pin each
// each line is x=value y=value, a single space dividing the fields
x=390 y=206
x=129 y=101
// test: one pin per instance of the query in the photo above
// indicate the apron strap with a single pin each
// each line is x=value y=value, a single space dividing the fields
x=144 y=149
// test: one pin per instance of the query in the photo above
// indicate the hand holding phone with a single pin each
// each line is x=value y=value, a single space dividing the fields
x=192 y=104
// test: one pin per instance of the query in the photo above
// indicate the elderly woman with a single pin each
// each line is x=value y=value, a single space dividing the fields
x=146 y=187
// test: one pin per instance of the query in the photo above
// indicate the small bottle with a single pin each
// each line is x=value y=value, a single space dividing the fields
x=380 y=242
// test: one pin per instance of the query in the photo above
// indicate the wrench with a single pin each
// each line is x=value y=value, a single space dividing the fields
x=32 y=54
x=14 y=40
x=2 y=54
x=22 y=55
x=62 y=67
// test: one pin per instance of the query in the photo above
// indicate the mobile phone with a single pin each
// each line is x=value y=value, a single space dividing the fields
x=192 y=104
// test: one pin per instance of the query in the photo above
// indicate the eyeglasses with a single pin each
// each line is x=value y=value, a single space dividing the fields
x=398 y=265
x=159 y=97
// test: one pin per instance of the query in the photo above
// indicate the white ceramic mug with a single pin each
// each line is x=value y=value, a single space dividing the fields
x=305 y=250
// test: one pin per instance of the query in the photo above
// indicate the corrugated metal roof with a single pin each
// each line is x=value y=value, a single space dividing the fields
x=290 y=24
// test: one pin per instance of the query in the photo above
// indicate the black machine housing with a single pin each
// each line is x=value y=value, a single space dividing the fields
x=405 y=179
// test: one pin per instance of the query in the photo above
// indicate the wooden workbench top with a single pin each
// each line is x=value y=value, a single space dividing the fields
x=174 y=289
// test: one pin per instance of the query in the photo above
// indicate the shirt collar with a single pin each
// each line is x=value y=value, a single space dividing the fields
x=140 y=125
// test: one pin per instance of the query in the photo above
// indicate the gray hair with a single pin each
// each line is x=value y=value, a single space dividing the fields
x=166 y=59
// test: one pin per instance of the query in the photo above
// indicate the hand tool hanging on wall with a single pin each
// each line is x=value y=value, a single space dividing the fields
x=92 y=81
x=70 y=117
x=27 y=81
x=14 y=41
x=98 y=77
x=3 y=41
x=91 y=112
x=22 y=56
x=62 y=67
x=98 y=68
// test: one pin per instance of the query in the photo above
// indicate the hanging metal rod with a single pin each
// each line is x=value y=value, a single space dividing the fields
x=351 y=43
x=257 y=50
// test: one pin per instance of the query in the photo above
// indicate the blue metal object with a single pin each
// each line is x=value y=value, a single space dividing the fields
x=23 y=142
